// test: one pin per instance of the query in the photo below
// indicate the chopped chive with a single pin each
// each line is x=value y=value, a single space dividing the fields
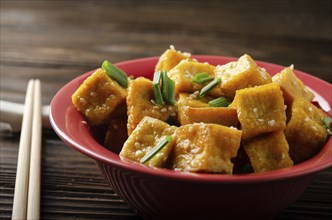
x=168 y=89
x=202 y=77
x=158 y=98
x=156 y=149
x=219 y=102
x=209 y=87
x=327 y=121
x=115 y=73
x=131 y=77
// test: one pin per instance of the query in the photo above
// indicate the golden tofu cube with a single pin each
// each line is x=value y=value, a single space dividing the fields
x=183 y=73
x=170 y=58
x=240 y=74
x=260 y=110
x=148 y=133
x=99 y=97
x=305 y=131
x=116 y=134
x=207 y=148
x=191 y=110
x=291 y=86
x=268 y=152
x=140 y=103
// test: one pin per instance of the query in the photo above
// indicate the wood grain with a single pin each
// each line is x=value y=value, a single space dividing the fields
x=57 y=41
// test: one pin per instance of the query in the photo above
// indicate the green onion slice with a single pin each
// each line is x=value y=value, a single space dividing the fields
x=327 y=121
x=131 y=77
x=202 y=77
x=115 y=73
x=158 y=98
x=168 y=89
x=156 y=149
x=219 y=102
x=206 y=89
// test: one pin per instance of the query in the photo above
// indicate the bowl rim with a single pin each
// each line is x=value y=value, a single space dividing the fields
x=319 y=162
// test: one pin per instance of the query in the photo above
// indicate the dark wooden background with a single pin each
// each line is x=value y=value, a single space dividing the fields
x=56 y=41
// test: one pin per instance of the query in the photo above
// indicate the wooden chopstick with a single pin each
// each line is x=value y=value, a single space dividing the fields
x=35 y=157
x=26 y=202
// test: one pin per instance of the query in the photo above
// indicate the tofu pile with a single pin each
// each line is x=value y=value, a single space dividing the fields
x=271 y=120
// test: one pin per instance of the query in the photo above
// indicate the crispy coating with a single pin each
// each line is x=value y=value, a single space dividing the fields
x=241 y=74
x=268 y=152
x=260 y=110
x=169 y=59
x=99 y=97
x=191 y=110
x=305 y=131
x=204 y=147
x=291 y=86
x=146 y=135
x=140 y=103
x=183 y=73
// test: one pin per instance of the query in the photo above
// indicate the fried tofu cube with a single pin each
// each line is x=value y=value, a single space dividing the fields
x=116 y=134
x=140 y=103
x=204 y=147
x=241 y=74
x=291 y=86
x=260 y=110
x=191 y=110
x=305 y=131
x=183 y=73
x=268 y=152
x=170 y=58
x=99 y=97
x=148 y=133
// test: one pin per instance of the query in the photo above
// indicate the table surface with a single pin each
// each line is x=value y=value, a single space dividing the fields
x=57 y=41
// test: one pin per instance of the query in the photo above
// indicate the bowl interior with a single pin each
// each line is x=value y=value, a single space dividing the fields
x=71 y=127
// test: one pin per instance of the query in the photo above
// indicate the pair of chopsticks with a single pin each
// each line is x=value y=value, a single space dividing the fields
x=26 y=203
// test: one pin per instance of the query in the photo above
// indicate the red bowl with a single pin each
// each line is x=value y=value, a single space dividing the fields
x=167 y=194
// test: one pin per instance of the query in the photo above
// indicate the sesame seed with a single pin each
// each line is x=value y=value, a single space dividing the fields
x=255 y=110
x=307 y=119
x=272 y=122
x=285 y=107
x=283 y=156
x=314 y=127
x=291 y=67
x=172 y=47
x=93 y=94
x=153 y=102
x=260 y=120
x=263 y=74
x=83 y=101
x=138 y=152
x=163 y=110
x=137 y=144
x=310 y=109
x=170 y=108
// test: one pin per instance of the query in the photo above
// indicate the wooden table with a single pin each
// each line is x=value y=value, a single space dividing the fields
x=57 y=41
